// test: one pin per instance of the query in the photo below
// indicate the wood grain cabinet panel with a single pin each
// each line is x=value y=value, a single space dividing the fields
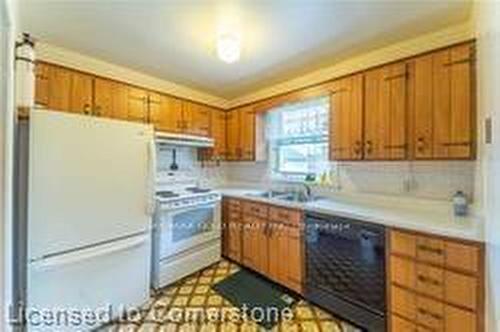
x=403 y=243
x=218 y=133
x=137 y=105
x=110 y=99
x=42 y=84
x=385 y=114
x=443 y=104
x=232 y=135
x=247 y=134
x=59 y=89
x=250 y=241
x=346 y=118
x=81 y=93
x=196 y=119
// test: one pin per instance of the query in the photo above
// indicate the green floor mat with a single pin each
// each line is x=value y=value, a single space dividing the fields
x=263 y=300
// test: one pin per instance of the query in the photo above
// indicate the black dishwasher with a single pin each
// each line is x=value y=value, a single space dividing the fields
x=345 y=269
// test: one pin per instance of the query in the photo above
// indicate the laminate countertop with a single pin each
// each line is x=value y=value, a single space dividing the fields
x=428 y=216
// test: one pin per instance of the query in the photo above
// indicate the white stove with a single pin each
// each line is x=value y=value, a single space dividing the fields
x=186 y=232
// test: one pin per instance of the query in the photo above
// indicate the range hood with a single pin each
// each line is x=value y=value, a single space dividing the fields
x=164 y=138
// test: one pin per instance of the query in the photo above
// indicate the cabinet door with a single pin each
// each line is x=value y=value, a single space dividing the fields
x=59 y=89
x=247 y=133
x=453 y=103
x=200 y=120
x=169 y=118
x=137 y=105
x=232 y=135
x=42 y=83
x=346 y=119
x=154 y=108
x=234 y=240
x=386 y=113
x=104 y=91
x=278 y=252
x=81 y=93
x=250 y=242
x=218 y=132
x=295 y=259
x=421 y=103
x=262 y=254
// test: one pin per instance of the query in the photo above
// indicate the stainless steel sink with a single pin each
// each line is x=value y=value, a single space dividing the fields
x=294 y=197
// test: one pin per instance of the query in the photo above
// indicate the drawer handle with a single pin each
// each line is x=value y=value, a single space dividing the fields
x=428 y=280
x=436 y=251
x=430 y=314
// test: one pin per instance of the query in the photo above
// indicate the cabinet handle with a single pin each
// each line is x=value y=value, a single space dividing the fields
x=98 y=110
x=436 y=251
x=421 y=144
x=428 y=280
x=430 y=314
x=369 y=147
x=357 y=147
x=465 y=143
x=86 y=109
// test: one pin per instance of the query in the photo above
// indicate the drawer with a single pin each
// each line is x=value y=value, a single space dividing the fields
x=436 y=251
x=399 y=324
x=284 y=215
x=233 y=204
x=454 y=288
x=255 y=209
x=429 y=313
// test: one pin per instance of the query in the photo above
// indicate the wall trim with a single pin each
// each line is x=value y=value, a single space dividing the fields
x=71 y=59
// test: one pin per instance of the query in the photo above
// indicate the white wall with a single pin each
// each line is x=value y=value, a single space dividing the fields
x=8 y=15
x=487 y=16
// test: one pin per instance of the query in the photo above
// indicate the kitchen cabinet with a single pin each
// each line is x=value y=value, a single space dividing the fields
x=346 y=118
x=196 y=118
x=435 y=283
x=232 y=229
x=271 y=240
x=110 y=99
x=442 y=99
x=241 y=134
x=385 y=113
x=137 y=104
x=81 y=93
x=42 y=84
x=218 y=133
x=166 y=114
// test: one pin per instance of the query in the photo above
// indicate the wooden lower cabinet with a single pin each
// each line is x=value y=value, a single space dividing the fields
x=271 y=241
x=429 y=288
x=232 y=230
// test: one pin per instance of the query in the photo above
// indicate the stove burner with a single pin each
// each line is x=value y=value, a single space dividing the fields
x=197 y=190
x=167 y=194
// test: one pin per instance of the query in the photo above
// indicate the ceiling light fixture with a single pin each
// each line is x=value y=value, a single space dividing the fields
x=229 y=47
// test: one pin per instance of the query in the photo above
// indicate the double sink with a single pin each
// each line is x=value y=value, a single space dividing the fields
x=293 y=197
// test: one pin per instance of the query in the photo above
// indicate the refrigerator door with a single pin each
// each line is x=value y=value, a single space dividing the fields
x=81 y=290
x=89 y=181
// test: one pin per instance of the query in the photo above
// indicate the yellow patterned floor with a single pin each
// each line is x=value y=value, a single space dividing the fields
x=191 y=305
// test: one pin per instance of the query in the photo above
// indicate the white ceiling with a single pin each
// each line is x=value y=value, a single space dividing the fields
x=174 y=40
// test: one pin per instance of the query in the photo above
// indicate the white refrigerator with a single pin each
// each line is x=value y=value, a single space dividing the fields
x=85 y=189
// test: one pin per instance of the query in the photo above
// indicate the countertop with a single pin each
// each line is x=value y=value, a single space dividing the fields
x=435 y=217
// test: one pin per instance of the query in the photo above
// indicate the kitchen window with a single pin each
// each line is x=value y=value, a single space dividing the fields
x=298 y=139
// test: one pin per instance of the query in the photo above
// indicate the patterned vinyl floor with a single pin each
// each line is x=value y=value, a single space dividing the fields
x=191 y=305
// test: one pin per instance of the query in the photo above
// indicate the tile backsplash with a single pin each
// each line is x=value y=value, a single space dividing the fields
x=421 y=179
x=432 y=180
x=207 y=174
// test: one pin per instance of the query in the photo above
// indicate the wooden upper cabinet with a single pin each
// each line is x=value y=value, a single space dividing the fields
x=166 y=113
x=196 y=119
x=81 y=93
x=110 y=99
x=218 y=132
x=453 y=103
x=386 y=113
x=42 y=84
x=137 y=104
x=59 y=89
x=247 y=133
x=441 y=97
x=232 y=135
x=346 y=118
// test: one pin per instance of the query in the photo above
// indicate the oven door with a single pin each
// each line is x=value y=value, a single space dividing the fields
x=185 y=228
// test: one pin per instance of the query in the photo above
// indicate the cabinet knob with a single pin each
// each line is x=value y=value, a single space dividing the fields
x=357 y=147
x=86 y=109
x=369 y=147
x=421 y=144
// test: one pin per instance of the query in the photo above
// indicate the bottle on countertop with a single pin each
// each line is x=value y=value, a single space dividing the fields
x=460 y=204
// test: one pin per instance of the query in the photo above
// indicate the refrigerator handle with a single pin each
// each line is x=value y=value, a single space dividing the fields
x=151 y=178
x=89 y=253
